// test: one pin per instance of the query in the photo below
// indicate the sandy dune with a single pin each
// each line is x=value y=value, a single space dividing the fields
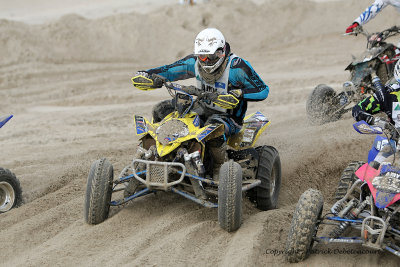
x=67 y=82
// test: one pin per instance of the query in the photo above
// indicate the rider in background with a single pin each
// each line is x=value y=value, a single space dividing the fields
x=217 y=71
x=385 y=99
x=371 y=12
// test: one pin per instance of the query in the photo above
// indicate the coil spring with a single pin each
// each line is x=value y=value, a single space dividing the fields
x=342 y=226
x=351 y=215
x=338 y=207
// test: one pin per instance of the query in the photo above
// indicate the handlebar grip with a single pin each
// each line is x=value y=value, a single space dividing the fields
x=382 y=124
x=158 y=80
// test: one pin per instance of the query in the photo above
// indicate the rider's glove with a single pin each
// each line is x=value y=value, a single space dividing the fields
x=142 y=73
x=370 y=120
x=382 y=123
x=157 y=83
x=394 y=29
x=352 y=27
x=237 y=93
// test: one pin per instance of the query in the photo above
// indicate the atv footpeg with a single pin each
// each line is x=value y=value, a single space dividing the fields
x=160 y=175
x=373 y=232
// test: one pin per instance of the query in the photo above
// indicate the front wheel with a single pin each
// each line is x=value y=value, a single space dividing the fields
x=98 y=191
x=230 y=196
x=10 y=190
x=347 y=179
x=304 y=225
x=269 y=172
x=162 y=109
x=321 y=105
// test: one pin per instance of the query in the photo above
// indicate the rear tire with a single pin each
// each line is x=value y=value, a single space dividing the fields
x=269 y=172
x=347 y=179
x=304 y=225
x=10 y=191
x=98 y=191
x=320 y=105
x=230 y=196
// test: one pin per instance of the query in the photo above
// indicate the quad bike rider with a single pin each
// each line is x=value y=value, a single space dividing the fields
x=10 y=189
x=367 y=195
x=217 y=71
x=371 y=12
x=324 y=104
x=200 y=148
x=385 y=99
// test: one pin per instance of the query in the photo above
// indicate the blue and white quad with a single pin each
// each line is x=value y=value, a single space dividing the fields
x=367 y=210
x=10 y=188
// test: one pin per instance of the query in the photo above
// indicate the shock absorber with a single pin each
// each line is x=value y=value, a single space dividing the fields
x=376 y=81
x=352 y=215
x=198 y=162
x=338 y=207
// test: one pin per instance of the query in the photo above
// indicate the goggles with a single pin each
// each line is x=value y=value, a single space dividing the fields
x=211 y=57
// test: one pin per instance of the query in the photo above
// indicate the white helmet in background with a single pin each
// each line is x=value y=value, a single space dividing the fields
x=397 y=71
x=209 y=47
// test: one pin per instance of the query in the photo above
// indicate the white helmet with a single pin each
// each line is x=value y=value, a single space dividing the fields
x=397 y=71
x=209 y=47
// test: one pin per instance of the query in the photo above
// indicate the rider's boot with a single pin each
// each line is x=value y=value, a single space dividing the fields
x=219 y=157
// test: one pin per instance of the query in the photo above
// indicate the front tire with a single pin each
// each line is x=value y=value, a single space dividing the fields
x=162 y=109
x=304 y=225
x=10 y=191
x=230 y=196
x=269 y=172
x=98 y=191
x=347 y=179
x=320 y=105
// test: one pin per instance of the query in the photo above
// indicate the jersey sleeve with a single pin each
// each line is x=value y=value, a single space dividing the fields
x=366 y=107
x=371 y=12
x=244 y=77
x=179 y=70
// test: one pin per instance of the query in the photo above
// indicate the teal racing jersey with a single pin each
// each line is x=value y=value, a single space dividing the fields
x=241 y=76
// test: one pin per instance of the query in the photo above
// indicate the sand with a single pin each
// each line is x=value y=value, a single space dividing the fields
x=65 y=76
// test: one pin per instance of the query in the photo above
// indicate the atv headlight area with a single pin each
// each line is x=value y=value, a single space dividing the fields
x=170 y=131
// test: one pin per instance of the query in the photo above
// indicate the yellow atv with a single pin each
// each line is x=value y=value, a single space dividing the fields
x=173 y=156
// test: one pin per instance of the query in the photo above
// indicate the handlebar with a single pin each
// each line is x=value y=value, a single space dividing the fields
x=190 y=90
x=5 y=119
x=383 y=124
x=379 y=36
x=223 y=100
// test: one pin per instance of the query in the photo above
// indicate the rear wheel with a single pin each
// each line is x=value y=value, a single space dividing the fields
x=321 y=105
x=98 y=191
x=10 y=191
x=304 y=225
x=347 y=179
x=230 y=196
x=269 y=172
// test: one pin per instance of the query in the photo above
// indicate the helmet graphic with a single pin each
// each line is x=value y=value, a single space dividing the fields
x=209 y=47
x=397 y=71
